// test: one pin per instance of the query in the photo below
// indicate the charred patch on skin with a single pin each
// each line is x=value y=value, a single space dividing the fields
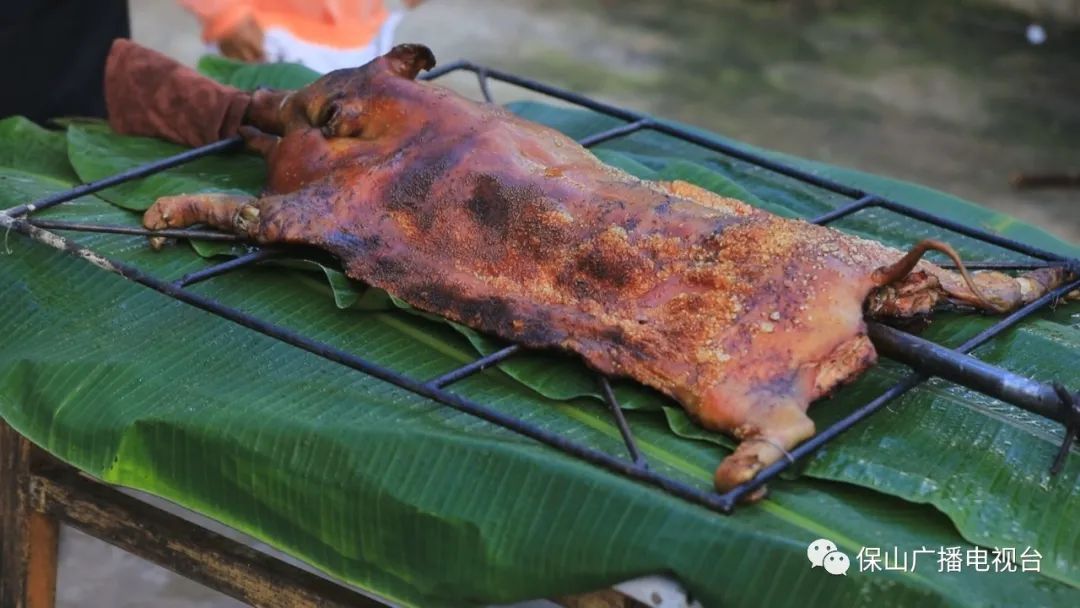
x=505 y=207
x=524 y=323
x=419 y=169
x=490 y=206
x=346 y=245
x=610 y=264
x=409 y=192
x=387 y=269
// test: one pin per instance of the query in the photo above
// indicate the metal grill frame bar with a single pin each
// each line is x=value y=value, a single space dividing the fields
x=1053 y=402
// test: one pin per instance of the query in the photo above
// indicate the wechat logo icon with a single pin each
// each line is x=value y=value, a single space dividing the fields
x=823 y=552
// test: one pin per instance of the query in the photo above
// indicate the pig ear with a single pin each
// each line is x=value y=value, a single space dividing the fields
x=406 y=60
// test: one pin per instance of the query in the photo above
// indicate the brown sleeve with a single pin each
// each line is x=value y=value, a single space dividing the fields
x=149 y=94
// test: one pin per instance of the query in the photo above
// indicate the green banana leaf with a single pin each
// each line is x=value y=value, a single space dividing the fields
x=264 y=456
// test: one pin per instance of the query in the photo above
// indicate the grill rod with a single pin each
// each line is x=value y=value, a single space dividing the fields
x=929 y=359
x=935 y=360
x=150 y=168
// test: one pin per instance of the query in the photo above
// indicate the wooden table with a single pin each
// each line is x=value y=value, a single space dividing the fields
x=38 y=493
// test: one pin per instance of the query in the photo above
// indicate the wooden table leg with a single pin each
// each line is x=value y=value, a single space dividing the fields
x=36 y=492
x=41 y=570
x=28 y=539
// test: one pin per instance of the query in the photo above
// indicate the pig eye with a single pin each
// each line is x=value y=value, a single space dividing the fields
x=341 y=120
x=329 y=113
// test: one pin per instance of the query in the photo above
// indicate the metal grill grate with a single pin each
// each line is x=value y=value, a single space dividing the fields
x=927 y=358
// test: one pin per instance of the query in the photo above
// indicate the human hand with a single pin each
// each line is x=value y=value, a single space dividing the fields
x=244 y=42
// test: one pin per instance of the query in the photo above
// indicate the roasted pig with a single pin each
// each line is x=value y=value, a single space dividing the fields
x=464 y=210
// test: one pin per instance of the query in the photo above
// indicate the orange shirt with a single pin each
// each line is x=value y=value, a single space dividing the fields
x=334 y=23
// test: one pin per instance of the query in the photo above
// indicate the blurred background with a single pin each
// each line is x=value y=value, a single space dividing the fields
x=957 y=95
x=951 y=94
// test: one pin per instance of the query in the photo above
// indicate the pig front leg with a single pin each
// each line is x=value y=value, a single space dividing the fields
x=295 y=218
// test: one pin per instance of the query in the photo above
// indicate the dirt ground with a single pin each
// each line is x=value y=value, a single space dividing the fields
x=933 y=92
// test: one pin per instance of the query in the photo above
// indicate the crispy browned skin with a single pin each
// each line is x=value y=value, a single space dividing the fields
x=462 y=209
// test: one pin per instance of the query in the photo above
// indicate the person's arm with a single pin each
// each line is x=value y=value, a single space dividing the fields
x=230 y=24
x=150 y=94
